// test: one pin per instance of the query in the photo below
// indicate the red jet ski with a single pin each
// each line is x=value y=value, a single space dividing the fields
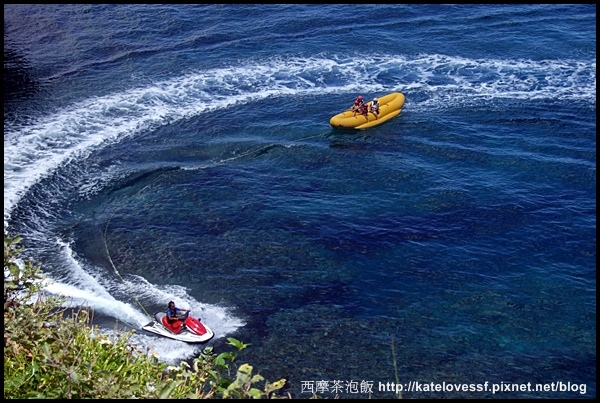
x=187 y=328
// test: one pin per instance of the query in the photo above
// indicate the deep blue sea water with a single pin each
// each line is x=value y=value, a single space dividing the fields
x=158 y=152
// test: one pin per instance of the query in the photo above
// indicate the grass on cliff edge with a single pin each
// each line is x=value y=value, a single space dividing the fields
x=51 y=354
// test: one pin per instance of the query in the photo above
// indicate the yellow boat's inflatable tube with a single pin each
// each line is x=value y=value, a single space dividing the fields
x=390 y=106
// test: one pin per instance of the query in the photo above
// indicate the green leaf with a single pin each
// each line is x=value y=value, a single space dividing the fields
x=74 y=376
x=245 y=369
x=46 y=350
x=233 y=342
x=243 y=374
x=228 y=355
x=220 y=361
x=166 y=391
x=257 y=378
x=271 y=387
x=236 y=343
x=255 y=393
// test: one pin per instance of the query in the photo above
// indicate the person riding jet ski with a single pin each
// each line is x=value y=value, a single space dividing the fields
x=173 y=316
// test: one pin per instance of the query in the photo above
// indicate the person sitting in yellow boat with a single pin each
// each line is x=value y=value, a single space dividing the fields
x=364 y=110
x=375 y=107
x=358 y=104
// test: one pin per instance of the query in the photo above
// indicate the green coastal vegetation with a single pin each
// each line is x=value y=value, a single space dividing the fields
x=54 y=352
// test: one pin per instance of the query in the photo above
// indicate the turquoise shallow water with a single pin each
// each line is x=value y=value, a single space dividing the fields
x=187 y=150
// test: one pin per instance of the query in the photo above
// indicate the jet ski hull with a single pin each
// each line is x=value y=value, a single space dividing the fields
x=194 y=331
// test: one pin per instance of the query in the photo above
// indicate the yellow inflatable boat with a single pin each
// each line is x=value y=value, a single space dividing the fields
x=390 y=107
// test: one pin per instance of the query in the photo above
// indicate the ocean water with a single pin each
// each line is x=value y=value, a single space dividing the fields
x=158 y=152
